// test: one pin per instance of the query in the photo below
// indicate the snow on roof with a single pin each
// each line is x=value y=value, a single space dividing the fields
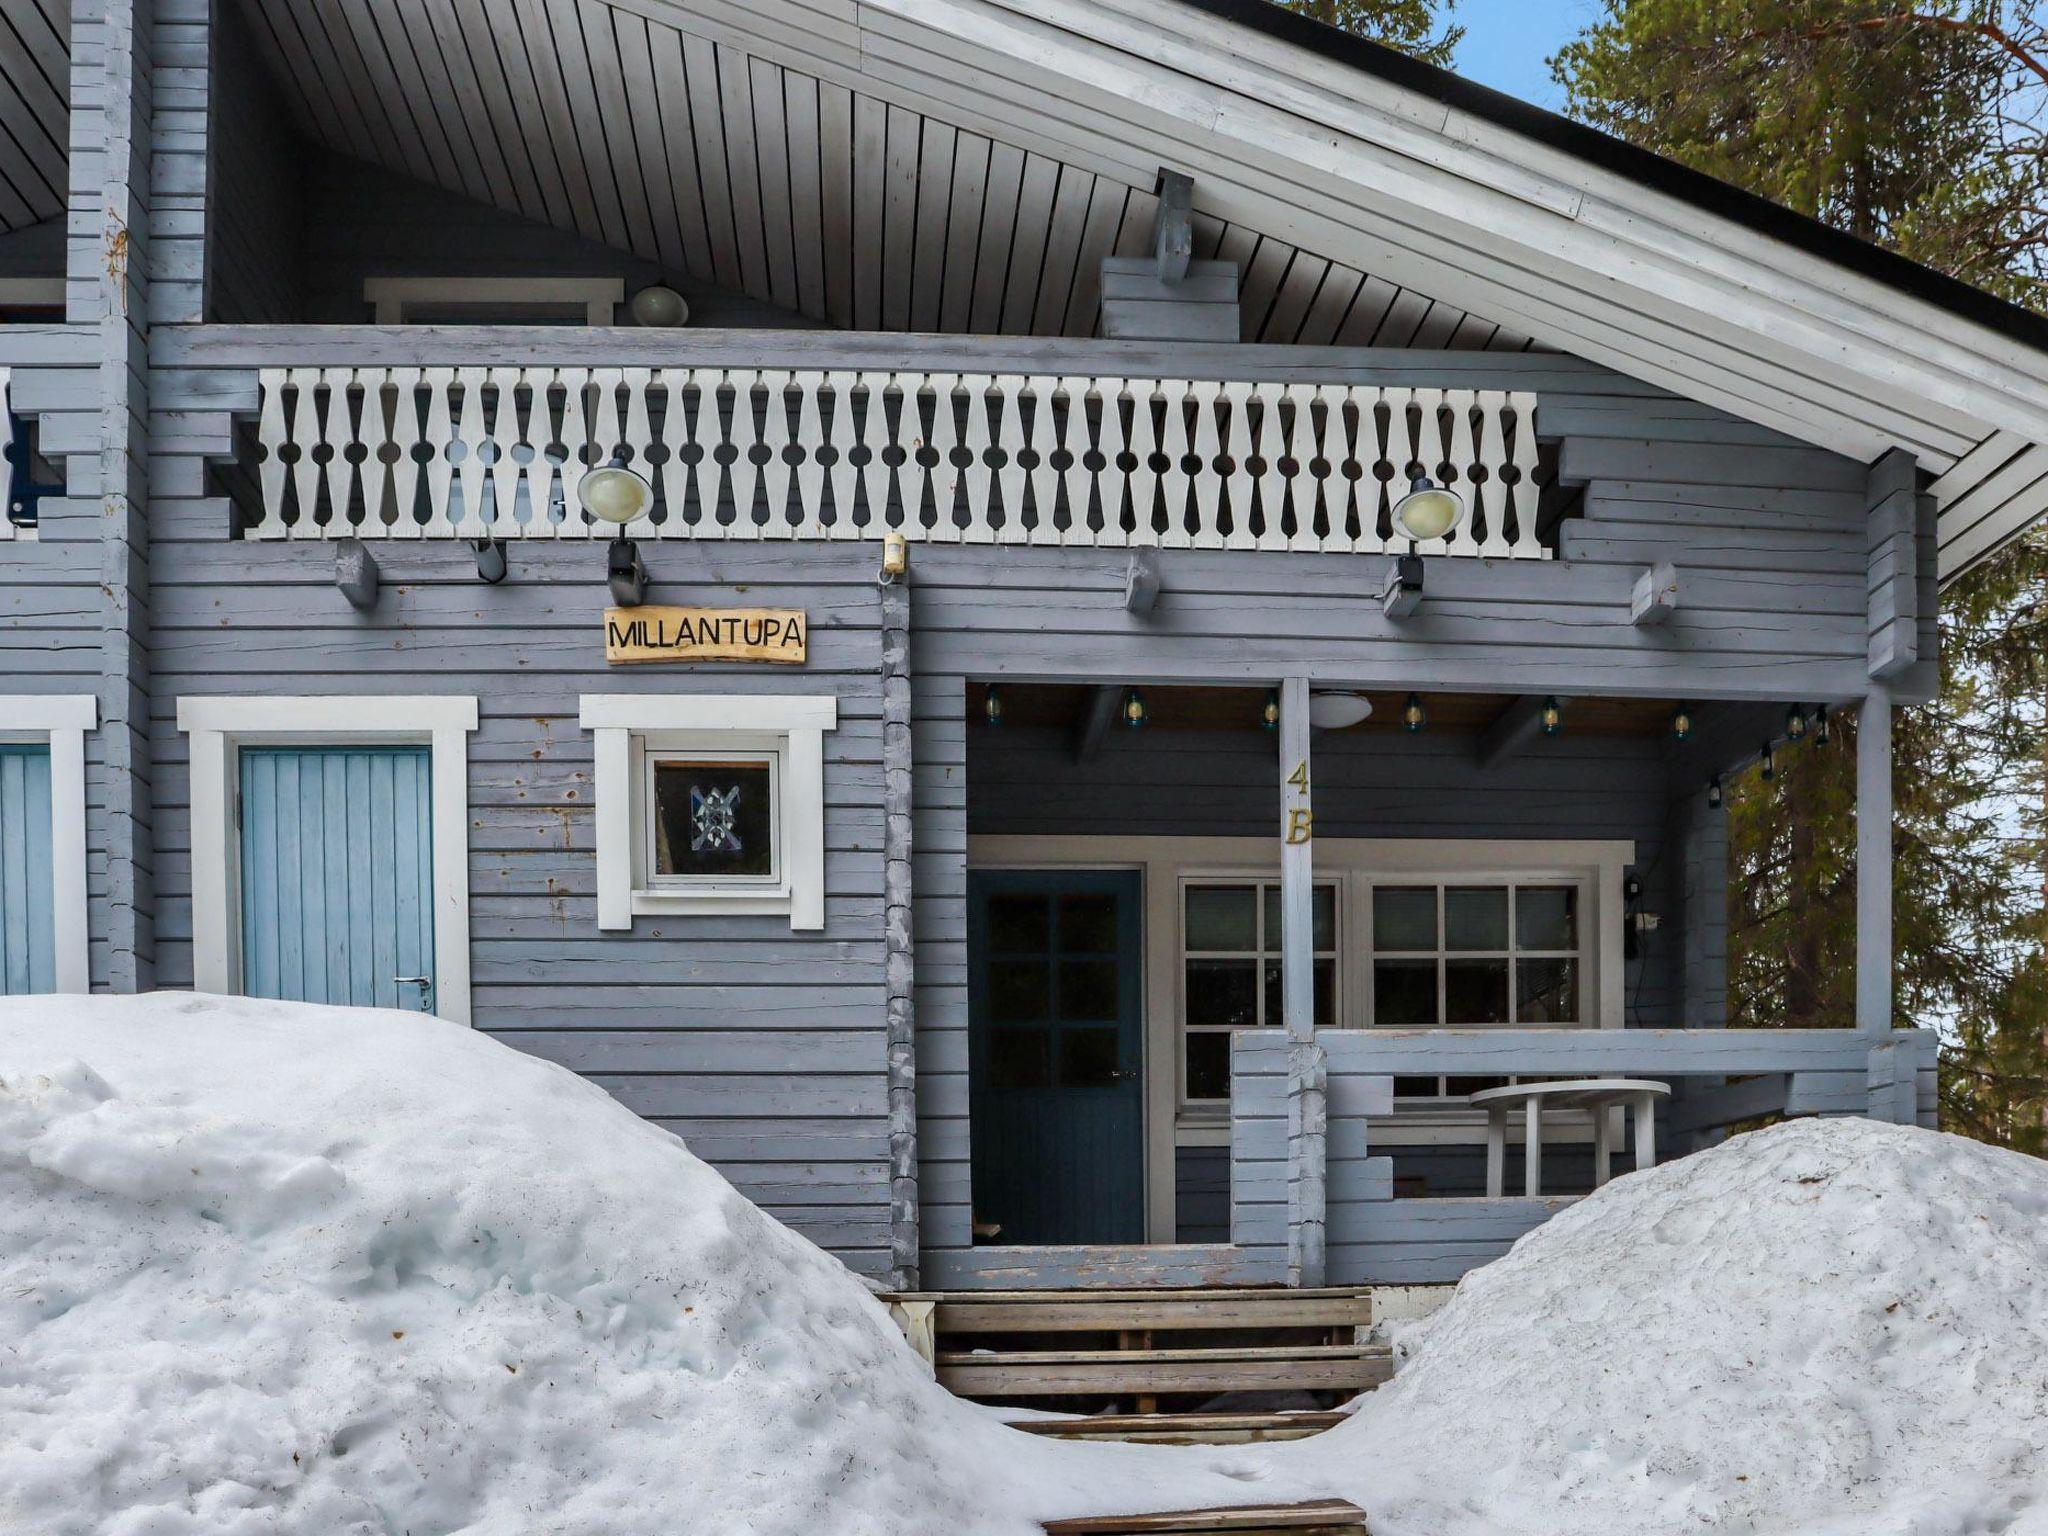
x=267 y=1267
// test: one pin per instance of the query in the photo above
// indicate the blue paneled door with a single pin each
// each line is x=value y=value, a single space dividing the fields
x=337 y=874
x=28 y=939
x=1055 y=1055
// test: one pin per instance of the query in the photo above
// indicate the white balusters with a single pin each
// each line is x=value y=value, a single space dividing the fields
x=1527 y=544
x=497 y=452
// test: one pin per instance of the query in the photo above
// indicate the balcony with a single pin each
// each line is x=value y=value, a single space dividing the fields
x=477 y=451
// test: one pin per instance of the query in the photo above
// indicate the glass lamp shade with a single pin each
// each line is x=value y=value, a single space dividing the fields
x=1428 y=511
x=615 y=495
x=1337 y=711
x=658 y=308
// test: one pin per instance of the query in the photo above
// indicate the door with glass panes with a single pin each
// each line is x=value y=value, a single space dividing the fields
x=1055 y=1056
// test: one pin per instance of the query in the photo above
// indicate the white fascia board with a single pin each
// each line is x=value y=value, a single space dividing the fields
x=1271 y=73
x=708 y=712
x=38 y=714
x=353 y=714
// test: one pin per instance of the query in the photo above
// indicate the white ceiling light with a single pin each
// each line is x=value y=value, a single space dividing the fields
x=1337 y=711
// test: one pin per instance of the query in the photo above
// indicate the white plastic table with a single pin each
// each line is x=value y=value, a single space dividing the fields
x=1597 y=1094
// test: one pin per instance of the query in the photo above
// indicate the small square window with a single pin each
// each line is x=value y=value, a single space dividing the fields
x=713 y=821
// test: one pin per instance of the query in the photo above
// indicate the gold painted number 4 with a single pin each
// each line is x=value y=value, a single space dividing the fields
x=1299 y=778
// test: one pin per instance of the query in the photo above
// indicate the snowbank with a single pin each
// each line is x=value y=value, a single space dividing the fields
x=267 y=1268
x=271 y=1268
x=1828 y=1326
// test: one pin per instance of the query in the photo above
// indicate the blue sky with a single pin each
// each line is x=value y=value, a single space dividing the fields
x=1507 y=41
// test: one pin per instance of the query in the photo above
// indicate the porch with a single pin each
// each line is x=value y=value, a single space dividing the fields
x=1486 y=903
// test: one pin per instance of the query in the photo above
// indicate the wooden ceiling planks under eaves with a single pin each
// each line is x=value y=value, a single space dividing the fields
x=35 y=110
x=702 y=155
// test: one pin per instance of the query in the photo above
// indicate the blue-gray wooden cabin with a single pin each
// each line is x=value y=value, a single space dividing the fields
x=1029 y=930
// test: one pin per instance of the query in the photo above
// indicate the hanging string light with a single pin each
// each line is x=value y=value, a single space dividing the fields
x=1769 y=763
x=1413 y=716
x=1714 y=793
x=1553 y=716
x=1820 y=724
x=1681 y=722
x=992 y=705
x=1270 y=716
x=1795 y=724
x=1134 y=709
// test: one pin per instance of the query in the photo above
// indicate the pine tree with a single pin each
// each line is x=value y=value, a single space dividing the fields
x=1918 y=129
x=1409 y=25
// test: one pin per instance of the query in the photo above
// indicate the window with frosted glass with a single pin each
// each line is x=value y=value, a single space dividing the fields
x=712 y=820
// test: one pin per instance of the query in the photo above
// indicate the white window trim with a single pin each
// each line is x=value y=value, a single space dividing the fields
x=60 y=721
x=218 y=728
x=1166 y=861
x=394 y=296
x=627 y=725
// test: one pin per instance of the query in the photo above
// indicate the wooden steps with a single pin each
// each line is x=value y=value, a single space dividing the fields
x=1135 y=1347
x=1318 y=1517
x=1184 y=1428
x=1345 y=1368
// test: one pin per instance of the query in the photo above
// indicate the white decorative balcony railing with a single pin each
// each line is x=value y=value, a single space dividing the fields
x=993 y=458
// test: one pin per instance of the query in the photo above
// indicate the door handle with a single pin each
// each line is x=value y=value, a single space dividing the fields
x=426 y=986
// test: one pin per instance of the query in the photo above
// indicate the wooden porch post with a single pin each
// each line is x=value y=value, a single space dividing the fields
x=1874 y=863
x=1306 y=1109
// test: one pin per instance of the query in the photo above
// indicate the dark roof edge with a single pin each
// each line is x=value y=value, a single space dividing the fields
x=1642 y=166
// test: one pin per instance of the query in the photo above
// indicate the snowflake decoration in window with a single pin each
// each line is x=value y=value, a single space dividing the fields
x=712 y=813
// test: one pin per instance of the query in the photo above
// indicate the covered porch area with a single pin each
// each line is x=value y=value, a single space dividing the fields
x=1235 y=976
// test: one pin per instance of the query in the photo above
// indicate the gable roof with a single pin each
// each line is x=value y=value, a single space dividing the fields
x=964 y=164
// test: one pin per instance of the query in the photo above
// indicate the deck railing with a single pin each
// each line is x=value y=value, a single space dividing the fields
x=993 y=458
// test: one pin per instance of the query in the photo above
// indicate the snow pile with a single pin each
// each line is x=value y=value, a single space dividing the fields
x=1828 y=1326
x=271 y=1268
x=267 y=1268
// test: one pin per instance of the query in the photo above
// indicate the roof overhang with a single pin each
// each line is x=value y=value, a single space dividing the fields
x=1310 y=142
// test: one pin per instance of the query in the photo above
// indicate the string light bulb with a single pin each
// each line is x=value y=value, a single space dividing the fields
x=1270 y=716
x=1795 y=724
x=1413 y=716
x=1553 y=716
x=1769 y=763
x=1714 y=793
x=1681 y=722
x=992 y=706
x=1134 y=709
x=1820 y=725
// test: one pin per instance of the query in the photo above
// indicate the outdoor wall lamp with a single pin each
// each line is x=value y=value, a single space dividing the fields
x=1428 y=511
x=618 y=495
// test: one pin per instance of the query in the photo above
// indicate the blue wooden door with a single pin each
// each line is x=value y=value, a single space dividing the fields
x=28 y=939
x=1055 y=1055
x=337 y=875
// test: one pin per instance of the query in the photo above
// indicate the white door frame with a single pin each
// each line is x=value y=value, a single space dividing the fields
x=218 y=728
x=60 y=721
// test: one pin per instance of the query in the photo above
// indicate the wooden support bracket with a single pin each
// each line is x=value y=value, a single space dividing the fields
x=1656 y=595
x=1093 y=728
x=1141 y=581
x=355 y=573
x=1173 y=236
x=1512 y=729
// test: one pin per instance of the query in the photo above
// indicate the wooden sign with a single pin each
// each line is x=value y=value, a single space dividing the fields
x=704 y=634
